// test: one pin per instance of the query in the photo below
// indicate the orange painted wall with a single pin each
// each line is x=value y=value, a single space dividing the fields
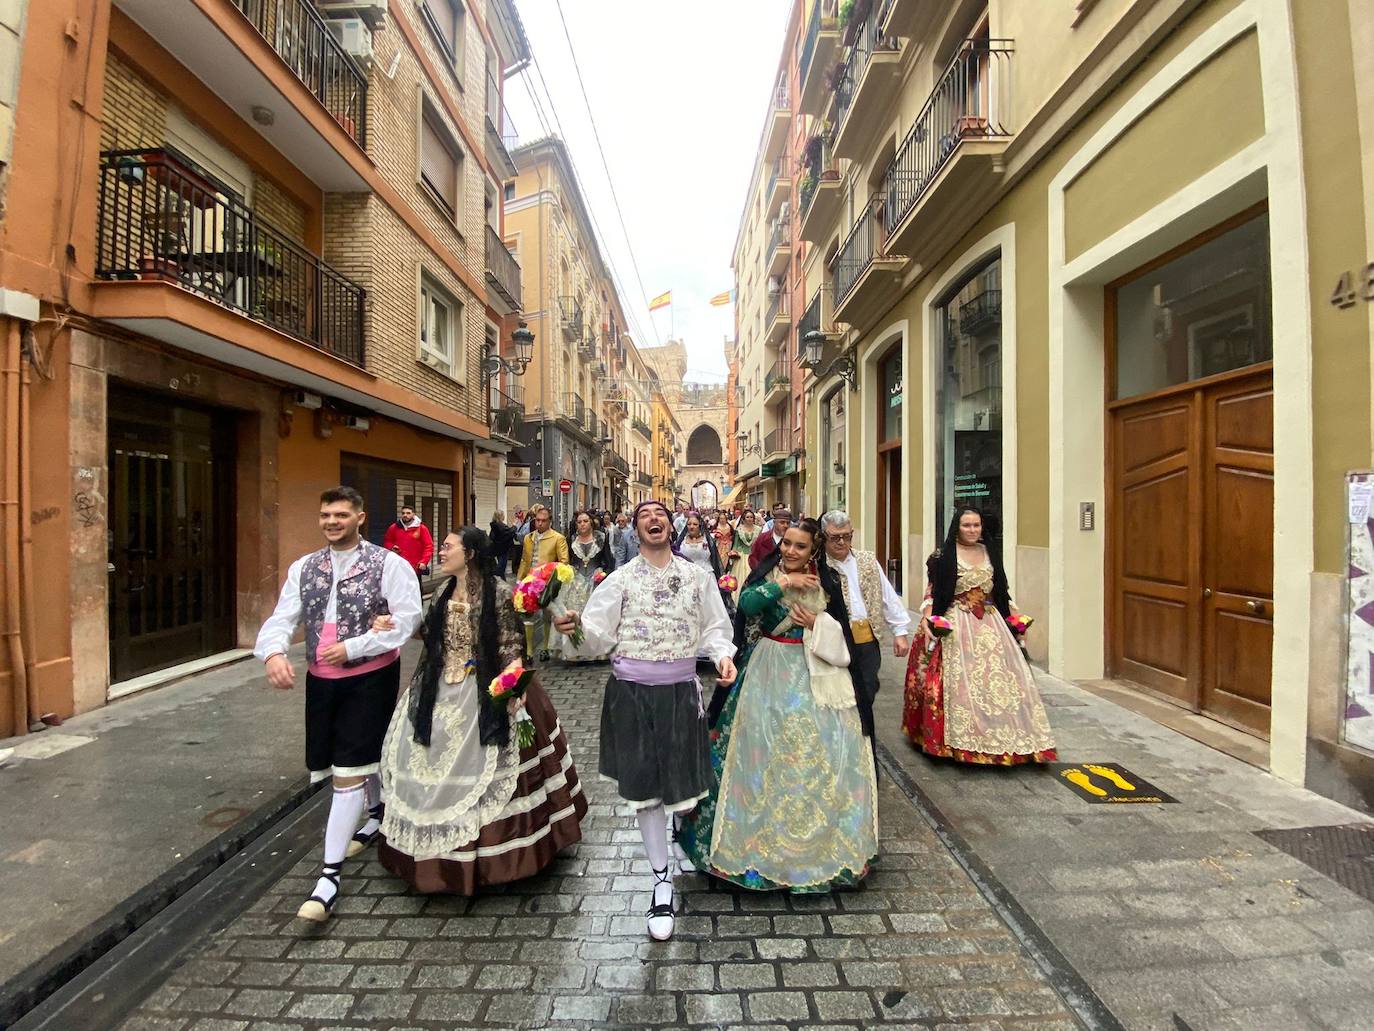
x=309 y=465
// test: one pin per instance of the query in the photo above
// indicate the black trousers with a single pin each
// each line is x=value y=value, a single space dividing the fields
x=864 y=665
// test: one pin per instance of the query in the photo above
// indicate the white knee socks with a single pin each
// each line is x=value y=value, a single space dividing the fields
x=372 y=788
x=344 y=813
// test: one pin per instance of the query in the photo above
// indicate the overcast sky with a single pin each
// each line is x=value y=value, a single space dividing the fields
x=679 y=91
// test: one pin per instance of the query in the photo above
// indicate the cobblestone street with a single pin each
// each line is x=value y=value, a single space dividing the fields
x=918 y=946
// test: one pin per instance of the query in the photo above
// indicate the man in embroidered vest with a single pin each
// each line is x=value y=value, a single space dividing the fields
x=542 y=544
x=655 y=616
x=867 y=594
x=354 y=672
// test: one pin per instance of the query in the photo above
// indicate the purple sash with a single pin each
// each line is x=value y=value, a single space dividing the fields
x=659 y=674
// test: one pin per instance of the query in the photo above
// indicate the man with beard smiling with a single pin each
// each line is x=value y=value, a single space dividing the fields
x=654 y=616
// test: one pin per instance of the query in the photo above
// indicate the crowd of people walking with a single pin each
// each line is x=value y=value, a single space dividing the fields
x=738 y=715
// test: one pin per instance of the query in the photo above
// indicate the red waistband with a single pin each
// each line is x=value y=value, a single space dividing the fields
x=784 y=640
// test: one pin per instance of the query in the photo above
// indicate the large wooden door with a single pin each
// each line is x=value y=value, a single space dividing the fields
x=171 y=548
x=1191 y=545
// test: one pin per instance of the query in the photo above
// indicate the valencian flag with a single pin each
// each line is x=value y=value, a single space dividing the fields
x=722 y=299
x=661 y=301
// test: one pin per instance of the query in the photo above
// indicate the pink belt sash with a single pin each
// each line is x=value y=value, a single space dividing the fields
x=329 y=634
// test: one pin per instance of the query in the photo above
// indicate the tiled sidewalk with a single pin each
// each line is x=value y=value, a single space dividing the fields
x=917 y=946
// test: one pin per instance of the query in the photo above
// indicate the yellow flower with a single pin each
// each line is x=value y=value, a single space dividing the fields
x=564 y=572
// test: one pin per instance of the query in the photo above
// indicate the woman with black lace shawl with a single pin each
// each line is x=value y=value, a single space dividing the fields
x=466 y=807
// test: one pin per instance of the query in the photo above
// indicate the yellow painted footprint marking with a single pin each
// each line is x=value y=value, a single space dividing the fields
x=1111 y=775
x=1085 y=782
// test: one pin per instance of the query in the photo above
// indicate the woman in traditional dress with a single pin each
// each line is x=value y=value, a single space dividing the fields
x=698 y=546
x=795 y=804
x=745 y=534
x=723 y=535
x=466 y=807
x=589 y=553
x=971 y=696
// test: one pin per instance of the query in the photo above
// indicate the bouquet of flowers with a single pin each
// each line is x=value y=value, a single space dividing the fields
x=940 y=626
x=1019 y=624
x=598 y=576
x=509 y=684
x=727 y=582
x=540 y=590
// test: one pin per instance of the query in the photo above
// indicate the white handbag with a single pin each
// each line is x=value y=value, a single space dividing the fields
x=827 y=659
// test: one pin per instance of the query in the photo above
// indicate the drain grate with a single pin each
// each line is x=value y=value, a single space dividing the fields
x=1345 y=853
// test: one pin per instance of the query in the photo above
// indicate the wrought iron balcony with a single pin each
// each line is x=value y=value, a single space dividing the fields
x=810 y=321
x=617 y=463
x=301 y=37
x=498 y=142
x=863 y=252
x=161 y=220
x=777 y=444
x=503 y=273
x=779 y=118
x=872 y=49
x=642 y=428
x=779 y=246
x=575 y=409
x=967 y=111
x=821 y=36
x=778 y=382
x=779 y=318
x=644 y=479
x=982 y=312
x=571 y=312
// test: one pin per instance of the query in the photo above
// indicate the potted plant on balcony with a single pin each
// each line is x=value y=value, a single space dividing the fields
x=811 y=152
x=853 y=14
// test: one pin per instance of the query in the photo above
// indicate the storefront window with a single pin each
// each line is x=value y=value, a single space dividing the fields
x=833 y=473
x=1203 y=313
x=968 y=458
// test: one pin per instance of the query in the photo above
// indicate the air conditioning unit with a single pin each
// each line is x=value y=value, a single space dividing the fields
x=371 y=11
x=355 y=37
x=355 y=422
x=305 y=399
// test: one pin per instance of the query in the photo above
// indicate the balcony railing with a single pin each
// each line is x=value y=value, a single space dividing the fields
x=779 y=374
x=644 y=479
x=299 y=35
x=575 y=409
x=857 y=252
x=571 y=312
x=782 y=98
x=503 y=271
x=617 y=464
x=593 y=424
x=779 y=305
x=967 y=104
x=810 y=321
x=981 y=312
x=777 y=441
x=642 y=427
x=868 y=38
x=161 y=220
x=781 y=235
x=513 y=394
x=820 y=10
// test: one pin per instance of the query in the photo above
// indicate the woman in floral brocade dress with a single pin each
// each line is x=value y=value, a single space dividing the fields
x=795 y=801
x=971 y=696
x=466 y=806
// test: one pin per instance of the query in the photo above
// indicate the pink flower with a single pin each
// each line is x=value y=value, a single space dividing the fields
x=940 y=626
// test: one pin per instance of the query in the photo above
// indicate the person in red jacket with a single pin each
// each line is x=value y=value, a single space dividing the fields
x=410 y=539
x=766 y=542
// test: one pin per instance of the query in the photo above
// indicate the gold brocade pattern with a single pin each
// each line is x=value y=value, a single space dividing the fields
x=991 y=702
x=458 y=639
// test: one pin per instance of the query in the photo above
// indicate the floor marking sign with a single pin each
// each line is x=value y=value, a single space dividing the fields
x=1108 y=783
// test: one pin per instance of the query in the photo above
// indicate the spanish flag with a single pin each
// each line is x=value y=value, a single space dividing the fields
x=661 y=301
x=722 y=299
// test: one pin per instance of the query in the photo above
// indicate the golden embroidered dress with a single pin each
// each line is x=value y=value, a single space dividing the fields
x=744 y=540
x=972 y=696
x=461 y=815
x=796 y=800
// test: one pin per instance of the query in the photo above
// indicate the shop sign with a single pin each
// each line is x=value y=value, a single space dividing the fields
x=1102 y=783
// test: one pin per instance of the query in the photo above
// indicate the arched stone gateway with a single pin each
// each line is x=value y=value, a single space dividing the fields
x=704 y=447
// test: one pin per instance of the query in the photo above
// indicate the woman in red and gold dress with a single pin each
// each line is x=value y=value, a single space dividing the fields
x=970 y=695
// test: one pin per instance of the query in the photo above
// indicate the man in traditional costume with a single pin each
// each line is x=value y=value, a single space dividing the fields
x=354 y=672
x=542 y=544
x=654 y=616
x=767 y=542
x=867 y=593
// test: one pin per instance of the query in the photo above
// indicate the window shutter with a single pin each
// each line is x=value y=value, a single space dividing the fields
x=438 y=166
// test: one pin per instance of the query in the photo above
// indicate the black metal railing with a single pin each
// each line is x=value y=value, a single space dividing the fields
x=593 y=424
x=782 y=99
x=967 y=103
x=644 y=479
x=777 y=441
x=159 y=219
x=781 y=236
x=857 y=252
x=576 y=410
x=869 y=38
x=641 y=427
x=779 y=306
x=503 y=271
x=300 y=36
x=810 y=321
x=511 y=396
x=617 y=464
x=821 y=10
x=571 y=312
x=779 y=374
x=779 y=173
x=981 y=312
x=818 y=165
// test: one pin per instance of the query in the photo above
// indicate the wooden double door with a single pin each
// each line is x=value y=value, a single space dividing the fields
x=1191 y=539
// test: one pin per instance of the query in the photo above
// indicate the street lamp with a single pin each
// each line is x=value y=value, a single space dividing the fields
x=747 y=449
x=523 y=339
x=813 y=346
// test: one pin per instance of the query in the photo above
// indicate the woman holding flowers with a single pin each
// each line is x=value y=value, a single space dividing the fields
x=592 y=560
x=795 y=802
x=970 y=694
x=468 y=802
